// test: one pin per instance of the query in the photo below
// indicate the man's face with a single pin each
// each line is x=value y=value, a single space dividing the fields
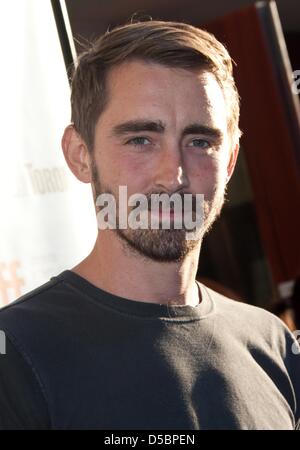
x=164 y=130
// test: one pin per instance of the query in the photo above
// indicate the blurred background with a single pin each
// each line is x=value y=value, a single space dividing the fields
x=252 y=253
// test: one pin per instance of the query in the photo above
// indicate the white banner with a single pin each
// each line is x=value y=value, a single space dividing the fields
x=47 y=217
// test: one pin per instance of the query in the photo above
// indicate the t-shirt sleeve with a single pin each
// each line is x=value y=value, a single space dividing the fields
x=22 y=402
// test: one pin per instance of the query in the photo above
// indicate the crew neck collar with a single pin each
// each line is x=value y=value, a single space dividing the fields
x=146 y=310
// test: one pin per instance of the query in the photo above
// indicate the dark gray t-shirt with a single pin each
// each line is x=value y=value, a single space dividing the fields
x=78 y=357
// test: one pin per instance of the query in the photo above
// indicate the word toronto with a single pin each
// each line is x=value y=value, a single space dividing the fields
x=176 y=211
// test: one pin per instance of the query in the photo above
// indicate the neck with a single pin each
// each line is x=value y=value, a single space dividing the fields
x=118 y=270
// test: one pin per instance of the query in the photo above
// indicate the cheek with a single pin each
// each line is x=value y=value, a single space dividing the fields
x=124 y=170
x=207 y=177
x=205 y=172
x=135 y=170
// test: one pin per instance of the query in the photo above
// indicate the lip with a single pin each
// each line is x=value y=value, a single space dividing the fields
x=170 y=213
x=163 y=213
x=162 y=216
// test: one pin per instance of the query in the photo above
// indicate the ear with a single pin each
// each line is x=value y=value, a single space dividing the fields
x=76 y=154
x=232 y=161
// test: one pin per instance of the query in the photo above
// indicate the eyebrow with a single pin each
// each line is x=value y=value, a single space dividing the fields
x=135 y=126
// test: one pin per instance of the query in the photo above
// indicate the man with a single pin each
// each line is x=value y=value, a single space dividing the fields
x=128 y=339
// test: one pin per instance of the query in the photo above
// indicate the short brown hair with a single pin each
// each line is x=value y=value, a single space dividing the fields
x=172 y=44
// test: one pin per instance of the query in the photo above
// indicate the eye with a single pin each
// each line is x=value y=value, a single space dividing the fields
x=200 y=143
x=138 y=141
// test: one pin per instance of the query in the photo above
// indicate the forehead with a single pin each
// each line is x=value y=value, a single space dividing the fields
x=173 y=95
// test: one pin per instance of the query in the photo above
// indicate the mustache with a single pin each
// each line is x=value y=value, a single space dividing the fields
x=168 y=197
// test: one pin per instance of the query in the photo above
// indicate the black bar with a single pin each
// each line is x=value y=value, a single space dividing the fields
x=63 y=35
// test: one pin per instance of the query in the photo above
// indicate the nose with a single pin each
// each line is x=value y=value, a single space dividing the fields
x=170 y=175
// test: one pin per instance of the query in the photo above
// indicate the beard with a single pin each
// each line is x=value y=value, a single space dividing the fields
x=165 y=245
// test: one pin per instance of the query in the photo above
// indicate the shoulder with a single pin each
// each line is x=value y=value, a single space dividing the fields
x=264 y=336
x=250 y=323
x=35 y=310
x=21 y=387
x=40 y=323
x=31 y=299
x=237 y=309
